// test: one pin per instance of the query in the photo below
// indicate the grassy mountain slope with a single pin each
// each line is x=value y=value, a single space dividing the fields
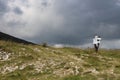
x=33 y=62
x=7 y=37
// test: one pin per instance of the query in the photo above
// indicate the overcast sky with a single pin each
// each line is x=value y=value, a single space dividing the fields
x=68 y=22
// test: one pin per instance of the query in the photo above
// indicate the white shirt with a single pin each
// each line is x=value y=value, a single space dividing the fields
x=96 y=40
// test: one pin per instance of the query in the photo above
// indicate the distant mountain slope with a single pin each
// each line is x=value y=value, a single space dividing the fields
x=7 y=37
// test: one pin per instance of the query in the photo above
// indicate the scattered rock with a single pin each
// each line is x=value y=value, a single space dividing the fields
x=23 y=49
x=4 y=56
x=36 y=49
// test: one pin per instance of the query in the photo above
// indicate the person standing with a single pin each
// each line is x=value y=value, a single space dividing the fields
x=96 y=42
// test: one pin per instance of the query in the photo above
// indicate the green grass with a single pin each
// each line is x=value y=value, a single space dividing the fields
x=79 y=77
x=57 y=63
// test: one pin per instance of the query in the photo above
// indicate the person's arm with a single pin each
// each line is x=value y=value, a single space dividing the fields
x=99 y=39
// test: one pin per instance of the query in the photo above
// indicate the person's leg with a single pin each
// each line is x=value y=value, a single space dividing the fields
x=98 y=45
x=96 y=48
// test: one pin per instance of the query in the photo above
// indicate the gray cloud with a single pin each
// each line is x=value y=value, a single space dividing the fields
x=3 y=7
x=95 y=16
x=17 y=10
x=71 y=22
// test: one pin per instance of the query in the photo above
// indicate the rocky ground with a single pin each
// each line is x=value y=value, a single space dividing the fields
x=33 y=62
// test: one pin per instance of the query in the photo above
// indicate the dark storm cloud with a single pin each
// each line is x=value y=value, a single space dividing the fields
x=89 y=17
x=4 y=7
x=84 y=19
x=72 y=22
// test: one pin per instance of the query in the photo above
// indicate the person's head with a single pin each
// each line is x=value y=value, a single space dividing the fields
x=96 y=36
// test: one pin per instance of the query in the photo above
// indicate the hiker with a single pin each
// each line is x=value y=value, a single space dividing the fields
x=96 y=42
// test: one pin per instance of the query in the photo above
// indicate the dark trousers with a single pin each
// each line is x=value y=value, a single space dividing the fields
x=96 y=46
